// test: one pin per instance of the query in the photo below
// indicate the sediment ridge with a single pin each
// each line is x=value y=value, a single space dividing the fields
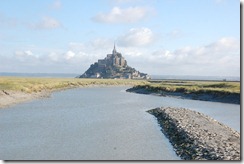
x=232 y=98
x=8 y=98
x=196 y=136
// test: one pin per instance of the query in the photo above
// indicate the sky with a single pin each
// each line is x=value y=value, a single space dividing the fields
x=158 y=37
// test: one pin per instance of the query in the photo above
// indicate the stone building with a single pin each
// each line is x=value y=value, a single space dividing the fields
x=113 y=66
x=114 y=59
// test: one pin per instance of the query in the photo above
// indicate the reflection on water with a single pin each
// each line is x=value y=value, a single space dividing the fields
x=96 y=124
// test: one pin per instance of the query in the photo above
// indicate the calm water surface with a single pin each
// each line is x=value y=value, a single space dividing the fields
x=101 y=123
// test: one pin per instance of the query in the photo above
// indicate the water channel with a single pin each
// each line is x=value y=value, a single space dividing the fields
x=99 y=123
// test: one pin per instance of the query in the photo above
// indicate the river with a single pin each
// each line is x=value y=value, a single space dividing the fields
x=97 y=123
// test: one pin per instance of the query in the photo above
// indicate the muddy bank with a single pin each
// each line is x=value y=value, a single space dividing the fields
x=232 y=98
x=8 y=98
x=195 y=136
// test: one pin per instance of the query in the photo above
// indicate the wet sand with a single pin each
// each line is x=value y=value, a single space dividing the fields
x=8 y=98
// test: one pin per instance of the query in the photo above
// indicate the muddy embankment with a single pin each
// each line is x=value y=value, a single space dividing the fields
x=232 y=98
x=11 y=97
x=195 y=136
x=8 y=98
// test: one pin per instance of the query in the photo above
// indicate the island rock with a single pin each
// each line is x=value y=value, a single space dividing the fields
x=113 y=66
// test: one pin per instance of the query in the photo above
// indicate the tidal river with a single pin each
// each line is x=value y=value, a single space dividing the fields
x=99 y=123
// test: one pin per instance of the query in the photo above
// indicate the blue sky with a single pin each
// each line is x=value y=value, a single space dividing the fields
x=162 y=37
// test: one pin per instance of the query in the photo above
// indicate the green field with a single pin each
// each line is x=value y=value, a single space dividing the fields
x=30 y=85
x=192 y=86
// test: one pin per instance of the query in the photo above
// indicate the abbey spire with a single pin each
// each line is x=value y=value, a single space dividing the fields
x=114 y=50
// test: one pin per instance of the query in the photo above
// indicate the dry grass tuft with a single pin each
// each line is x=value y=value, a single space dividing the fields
x=30 y=85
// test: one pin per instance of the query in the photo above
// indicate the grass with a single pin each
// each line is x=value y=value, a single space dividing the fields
x=30 y=85
x=193 y=86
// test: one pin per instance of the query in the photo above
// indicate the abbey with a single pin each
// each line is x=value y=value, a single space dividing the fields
x=114 y=59
x=113 y=66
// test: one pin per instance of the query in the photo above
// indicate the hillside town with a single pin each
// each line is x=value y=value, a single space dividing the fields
x=113 y=66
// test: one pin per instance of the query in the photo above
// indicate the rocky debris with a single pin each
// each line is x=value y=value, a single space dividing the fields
x=5 y=92
x=196 y=136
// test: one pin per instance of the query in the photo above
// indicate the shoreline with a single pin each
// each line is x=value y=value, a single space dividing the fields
x=14 y=90
x=213 y=97
x=196 y=136
x=193 y=135
x=9 y=98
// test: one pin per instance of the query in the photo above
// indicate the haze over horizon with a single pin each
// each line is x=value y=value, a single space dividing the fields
x=158 y=37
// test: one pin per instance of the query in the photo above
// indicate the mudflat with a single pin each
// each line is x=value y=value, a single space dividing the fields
x=8 y=98
x=14 y=90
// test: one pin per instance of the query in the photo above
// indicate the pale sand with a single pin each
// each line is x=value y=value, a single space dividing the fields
x=9 y=98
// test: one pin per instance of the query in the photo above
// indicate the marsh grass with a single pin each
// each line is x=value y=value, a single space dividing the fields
x=193 y=87
x=30 y=85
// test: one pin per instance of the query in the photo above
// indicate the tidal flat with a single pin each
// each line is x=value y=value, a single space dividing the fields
x=96 y=123
x=15 y=90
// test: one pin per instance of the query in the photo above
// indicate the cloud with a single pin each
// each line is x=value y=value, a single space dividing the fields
x=211 y=53
x=82 y=54
x=47 y=23
x=53 y=56
x=76 y=58
x=25 y=56
x=137 y=37
x=132 y=52
x=69 y=55
x=26 y=53
x=225 y=44
x=219 y=58
x=56 y=4
x=76 y=46
x=127 y=15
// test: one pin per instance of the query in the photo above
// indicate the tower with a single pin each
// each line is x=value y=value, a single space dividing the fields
x=114 y=50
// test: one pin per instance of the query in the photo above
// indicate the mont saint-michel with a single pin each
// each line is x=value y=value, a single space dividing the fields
x=113 y=66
